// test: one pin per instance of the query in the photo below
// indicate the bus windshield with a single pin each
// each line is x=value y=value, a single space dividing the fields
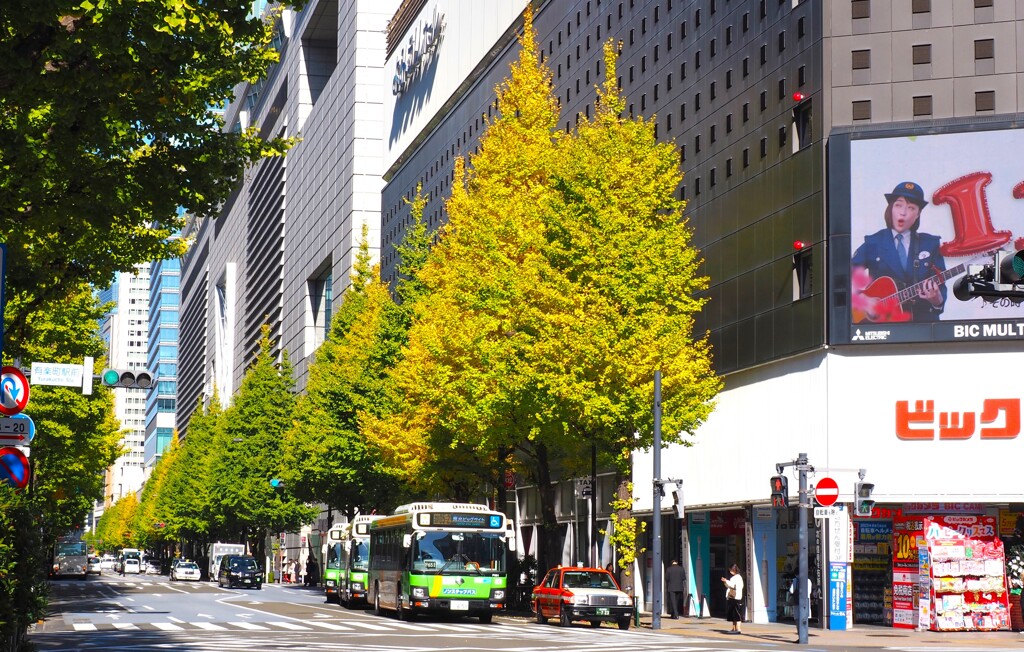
x=334 y=555
x=459 y=552
x=360 y=558
x=76 y=549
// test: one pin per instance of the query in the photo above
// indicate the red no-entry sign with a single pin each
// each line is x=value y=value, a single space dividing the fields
x=826 y=492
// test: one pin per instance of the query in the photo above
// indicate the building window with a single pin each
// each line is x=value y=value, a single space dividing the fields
x=802 y=125
x=985 y=101
x=643 y=102
x=668 y=81
x=984 y=49
x=764 y=54
x=714 y=133
x=746 y=157
x=862 y=109
x=728 y=35
x=728 y=79
x=801 y=28
x=696 y=60
x=782 y=137
x=668 y=122
x=696 y=18
x=764 y=147
x=920 y=6
x=643 y=64
x=728 y=123
x=922 y=54
x=801 y=76
x=682 y=70
x=861 y=59
x=803 y=285
x=696 y=102
x=764 y=100
x=714 y=91
x=746 y=111
x=782 y=88
x=713 y=180
x=728 y=168
x=746 y=21
x=981 y=4
x=782 y=41
x=922 y=106
x=696 y=144
x=860 y=9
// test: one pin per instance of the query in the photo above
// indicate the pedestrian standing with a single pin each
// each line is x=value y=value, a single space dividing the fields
x=734 y=596
x=675 y=585
x=286 y=571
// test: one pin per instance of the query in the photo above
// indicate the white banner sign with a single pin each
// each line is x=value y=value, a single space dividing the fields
x=63 y=375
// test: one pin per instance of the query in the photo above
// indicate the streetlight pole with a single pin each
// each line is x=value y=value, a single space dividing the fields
x=803 y=504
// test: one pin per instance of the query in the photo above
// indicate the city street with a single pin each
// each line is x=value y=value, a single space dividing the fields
x=151 y=613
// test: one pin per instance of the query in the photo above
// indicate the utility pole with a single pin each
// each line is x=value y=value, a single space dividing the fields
x=659 y=492
x=804 y=504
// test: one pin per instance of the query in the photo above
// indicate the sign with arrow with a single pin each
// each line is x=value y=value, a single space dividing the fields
x=17 y=430
x=13 y=391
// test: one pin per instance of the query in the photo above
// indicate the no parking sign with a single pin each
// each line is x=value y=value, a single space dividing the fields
x=14 y=467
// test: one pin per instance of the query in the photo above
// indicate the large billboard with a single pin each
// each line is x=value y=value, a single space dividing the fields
x=921 y=212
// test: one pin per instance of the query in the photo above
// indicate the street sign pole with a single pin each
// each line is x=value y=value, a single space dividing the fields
x=804 y=504
x=656 y=575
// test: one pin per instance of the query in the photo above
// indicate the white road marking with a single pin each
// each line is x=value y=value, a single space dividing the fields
x=292 y=626
x=168 y=627
x=85 y=627
x=253 y=626
x=210 y=626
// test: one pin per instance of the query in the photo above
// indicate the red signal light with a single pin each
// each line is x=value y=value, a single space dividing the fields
x=799 y=244
x=798 y=96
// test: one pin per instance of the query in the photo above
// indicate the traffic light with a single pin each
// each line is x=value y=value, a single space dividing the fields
x=863 y=504
x=995 y=281
x=780 y=491
x=677 y=500
x=130 y=378
x=1011 y=267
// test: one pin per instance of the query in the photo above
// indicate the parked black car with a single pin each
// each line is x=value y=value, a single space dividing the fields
x=241 y=571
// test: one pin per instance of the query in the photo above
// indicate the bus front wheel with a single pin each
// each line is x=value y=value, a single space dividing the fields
x=485 y=618
x=376 y=601
x=403 y=614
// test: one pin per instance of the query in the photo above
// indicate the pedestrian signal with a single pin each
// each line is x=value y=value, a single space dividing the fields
x=780 y=491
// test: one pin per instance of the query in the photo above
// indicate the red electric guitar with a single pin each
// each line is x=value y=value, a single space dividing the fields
x=888 y=299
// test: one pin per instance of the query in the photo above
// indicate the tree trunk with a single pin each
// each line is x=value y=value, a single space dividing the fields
x=627 y=578
x=549 y=551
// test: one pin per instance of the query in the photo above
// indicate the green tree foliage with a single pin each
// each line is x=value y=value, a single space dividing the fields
x=116 y=528
x=248 y=453
x=152 y=516
x=109 y=126
x=23 y=565
x=327 y=459
x=185 y=495
x=563 y=279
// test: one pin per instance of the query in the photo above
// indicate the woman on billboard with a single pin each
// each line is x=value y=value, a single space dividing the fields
x=897 y=271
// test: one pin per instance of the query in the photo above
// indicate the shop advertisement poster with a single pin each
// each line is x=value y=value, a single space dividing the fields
x=905 y=565
x=837 y=616
x=924 y=602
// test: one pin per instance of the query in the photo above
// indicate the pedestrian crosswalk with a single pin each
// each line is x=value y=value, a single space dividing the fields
x=381 y=626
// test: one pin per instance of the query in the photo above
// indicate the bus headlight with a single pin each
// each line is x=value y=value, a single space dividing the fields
x=330 y=583
x=419 y=592
x=498 y=595
x=356 y=586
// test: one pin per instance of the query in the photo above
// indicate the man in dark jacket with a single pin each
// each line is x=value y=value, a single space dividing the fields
x=675 y=586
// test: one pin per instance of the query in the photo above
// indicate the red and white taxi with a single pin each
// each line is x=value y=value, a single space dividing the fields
x=572 y=593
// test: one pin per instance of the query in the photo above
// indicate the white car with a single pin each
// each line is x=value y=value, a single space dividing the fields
x=108 y=563
x=95 y=565
x=186 y=570
x=132 y=566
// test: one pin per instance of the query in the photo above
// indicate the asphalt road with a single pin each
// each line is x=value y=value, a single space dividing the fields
x=150 y=613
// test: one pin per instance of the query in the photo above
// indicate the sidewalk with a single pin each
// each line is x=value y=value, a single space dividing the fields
x=860 y=636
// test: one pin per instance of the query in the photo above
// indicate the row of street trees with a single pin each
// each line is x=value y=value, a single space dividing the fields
x=522 y=334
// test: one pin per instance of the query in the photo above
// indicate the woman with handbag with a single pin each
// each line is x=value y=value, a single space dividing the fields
x=734 y=596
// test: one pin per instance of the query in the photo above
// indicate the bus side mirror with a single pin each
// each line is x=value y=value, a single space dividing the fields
x=510 y=535
x=406 y=540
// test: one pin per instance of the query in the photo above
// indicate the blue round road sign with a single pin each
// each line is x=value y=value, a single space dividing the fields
x=14 y=467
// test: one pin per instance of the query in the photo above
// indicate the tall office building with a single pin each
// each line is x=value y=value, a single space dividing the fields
x=285 y=242
x=811 y=134
x=126 y=333
x=163 y=357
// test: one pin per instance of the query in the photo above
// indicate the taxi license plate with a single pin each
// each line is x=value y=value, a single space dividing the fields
x=246 y=581
x=602 y=611
x=460 y=605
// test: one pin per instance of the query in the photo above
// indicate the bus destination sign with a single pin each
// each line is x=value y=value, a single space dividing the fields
x=462 y=519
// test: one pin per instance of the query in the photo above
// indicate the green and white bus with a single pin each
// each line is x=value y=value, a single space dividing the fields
x=348 y=560
x=440 y=558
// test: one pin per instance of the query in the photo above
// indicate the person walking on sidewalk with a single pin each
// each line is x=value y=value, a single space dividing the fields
x=675 y=585
x=734 y=596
